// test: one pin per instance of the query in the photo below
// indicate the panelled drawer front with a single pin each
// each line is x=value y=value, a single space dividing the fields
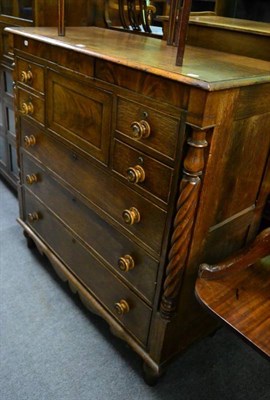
x=105 y=286
x=163 y=128
x=153 y=176
x=30 y=105
x=102 y=189
x=99 y=235
x=30 y=74
x=80 y=113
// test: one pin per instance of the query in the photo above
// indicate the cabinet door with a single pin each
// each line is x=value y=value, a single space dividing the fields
x=17 y=8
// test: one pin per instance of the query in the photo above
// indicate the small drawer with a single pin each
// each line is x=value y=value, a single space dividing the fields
x=138 y=216
x=30 y=106
x=30 y=74
x=127 y=259
x=141 y=171
x=147 y=127
x=127 y=308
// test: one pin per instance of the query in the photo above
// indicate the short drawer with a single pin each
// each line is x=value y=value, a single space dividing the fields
x=105 y=192
x=147 y=127
x=30 y=105
x=141 y=171
x=97 y=278
x=30 y=75
x=127 y=259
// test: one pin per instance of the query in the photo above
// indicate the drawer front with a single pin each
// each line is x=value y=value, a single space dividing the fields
x=100 y=188
x=80 y=113
x=104 y=285
x=77 y=62
x=142 y=171
x=31 y=106
x=164 y=129
x=30 y=75
x=140 y=270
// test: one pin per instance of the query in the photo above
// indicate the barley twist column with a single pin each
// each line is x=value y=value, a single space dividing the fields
x=189 y=189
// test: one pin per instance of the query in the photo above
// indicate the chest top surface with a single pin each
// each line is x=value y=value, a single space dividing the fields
x=208 y=69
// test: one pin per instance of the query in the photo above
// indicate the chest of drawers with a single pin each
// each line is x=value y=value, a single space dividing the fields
x=132 y=173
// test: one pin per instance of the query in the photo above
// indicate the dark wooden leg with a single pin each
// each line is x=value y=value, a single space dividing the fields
x=30 y=241
x=150 y=376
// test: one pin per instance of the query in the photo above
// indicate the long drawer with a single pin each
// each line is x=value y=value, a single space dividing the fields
x=127 y=259
x=99 y=186
x=98 y=279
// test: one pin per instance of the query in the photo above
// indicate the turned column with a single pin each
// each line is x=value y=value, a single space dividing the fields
x=189 y=189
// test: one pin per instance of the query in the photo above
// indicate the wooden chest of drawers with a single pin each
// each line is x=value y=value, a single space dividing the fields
x=132 y=171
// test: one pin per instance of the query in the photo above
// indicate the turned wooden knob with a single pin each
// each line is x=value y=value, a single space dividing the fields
x=135 y=174
x=31 y=178
x=29 y=141
x=122 y=307
x=26 y=76
x=126 y=263
x=140 y=130
x=27 y=108
x=131 y=216
x=32 y=217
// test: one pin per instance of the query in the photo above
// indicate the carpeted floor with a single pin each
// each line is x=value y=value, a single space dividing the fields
x=52 y=348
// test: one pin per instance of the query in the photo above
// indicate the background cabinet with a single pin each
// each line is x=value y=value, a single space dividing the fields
x=25 y=13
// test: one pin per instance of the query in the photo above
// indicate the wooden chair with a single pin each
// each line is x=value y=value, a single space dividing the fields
x=237 y=291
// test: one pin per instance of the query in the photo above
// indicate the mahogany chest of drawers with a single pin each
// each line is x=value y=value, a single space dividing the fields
x=132 y=172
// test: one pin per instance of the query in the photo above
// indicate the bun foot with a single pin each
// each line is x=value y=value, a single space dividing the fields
x=150 y=376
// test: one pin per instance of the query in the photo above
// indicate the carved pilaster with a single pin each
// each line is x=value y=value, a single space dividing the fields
x=184 y=219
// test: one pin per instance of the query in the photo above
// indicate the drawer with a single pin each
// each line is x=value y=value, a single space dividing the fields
x=98 y=279
x=109 y=196
x=30 y=105
x=142 y=171
x=127 y=259
x=29 y=74
x=78 y=62
x=80 y=113
x=162 y=129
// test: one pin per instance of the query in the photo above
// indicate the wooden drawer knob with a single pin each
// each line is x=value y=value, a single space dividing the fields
x=131 y=216
x=135 y=174
x=27 y=108
x=126 y=263
x=140 y=130
x=31 y=178
x=26 y=76
x=122 y=307
x=32 y=217
x=29 y=141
